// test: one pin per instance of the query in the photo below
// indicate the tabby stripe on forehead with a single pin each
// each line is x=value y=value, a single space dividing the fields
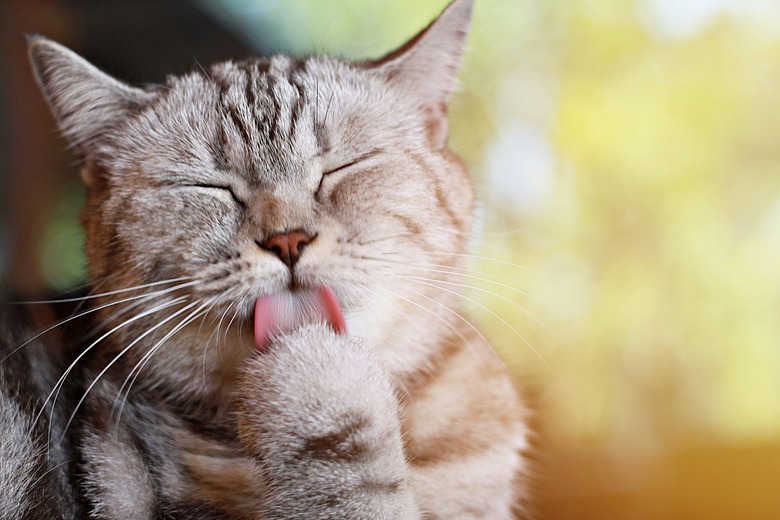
x=255 y=73
x=249 y=84
x=239 y=124
x=297 y=107
x=217 y=149
x=296 y=70
x=276 y=112
x=251 y=99
x=232 y=111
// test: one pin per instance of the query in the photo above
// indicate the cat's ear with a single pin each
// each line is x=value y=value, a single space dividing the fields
x=84 y=100
x=427 y=65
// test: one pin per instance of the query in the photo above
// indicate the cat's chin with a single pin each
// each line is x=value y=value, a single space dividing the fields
x=285 y=311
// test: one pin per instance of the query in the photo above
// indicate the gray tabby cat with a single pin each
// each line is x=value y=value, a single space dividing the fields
x=272 y=248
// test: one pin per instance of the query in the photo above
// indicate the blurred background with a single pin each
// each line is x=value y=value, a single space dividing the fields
x=627 y=156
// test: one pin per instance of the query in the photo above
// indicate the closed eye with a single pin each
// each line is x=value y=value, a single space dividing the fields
x=342 y=167
x=358 y=159
x=227 y=189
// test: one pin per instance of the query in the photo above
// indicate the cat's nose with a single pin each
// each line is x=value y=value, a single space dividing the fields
x=288 y=245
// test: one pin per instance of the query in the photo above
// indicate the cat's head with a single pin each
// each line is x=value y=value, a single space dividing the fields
x=271 y=178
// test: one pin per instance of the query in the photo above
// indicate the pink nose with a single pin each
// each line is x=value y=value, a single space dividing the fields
x=287 y=246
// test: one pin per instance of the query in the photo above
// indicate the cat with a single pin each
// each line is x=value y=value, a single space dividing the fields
x=272 y=247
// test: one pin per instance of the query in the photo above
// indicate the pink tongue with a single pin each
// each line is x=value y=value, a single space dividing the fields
x=284 y=311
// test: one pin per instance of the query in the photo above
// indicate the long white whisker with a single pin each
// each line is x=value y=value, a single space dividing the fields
x=449 y=325
x=93 y=309
x=139 y=302
x=194 y=315
x=230 y=323
x=61 y=381
x=462 y=272
x=49 y=471
x=465 y=274
x=123 y=352
x=215 y=334
x=135 y=372
x=490 y=259
x=109 y=293
x=502 y=320
x=227 y=328
x=484 y=291
x=460 y=317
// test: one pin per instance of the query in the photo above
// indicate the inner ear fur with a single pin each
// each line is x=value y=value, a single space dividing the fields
x=427 y=65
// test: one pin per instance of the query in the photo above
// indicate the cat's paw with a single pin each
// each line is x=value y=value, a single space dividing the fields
x=317 y=394
x=319 y=412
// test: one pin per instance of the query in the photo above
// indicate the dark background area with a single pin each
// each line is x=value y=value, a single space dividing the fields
x=140 y=42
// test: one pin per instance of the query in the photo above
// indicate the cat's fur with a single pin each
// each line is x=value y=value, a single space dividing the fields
x=409 y=415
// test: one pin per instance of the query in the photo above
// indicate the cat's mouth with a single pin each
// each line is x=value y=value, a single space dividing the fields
x=285 y=311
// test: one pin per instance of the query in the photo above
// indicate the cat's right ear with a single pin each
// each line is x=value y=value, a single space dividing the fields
x=84 y=100
x=426 y=67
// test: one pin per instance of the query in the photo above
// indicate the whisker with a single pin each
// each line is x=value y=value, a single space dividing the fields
x=214 y=334
x=230 y=323
x=49 y=470
x=496 y=260
x=463 y=272
x=502 y=320
x=123 y=352
x=486 y=291
x=224 y=315
x=135 y=304
x=61 y=381
x=193 y=316
x=91 y=310
x=100 y=295
x=450 y=326
x=327 y=108
x=135 y=372
x=382 y=238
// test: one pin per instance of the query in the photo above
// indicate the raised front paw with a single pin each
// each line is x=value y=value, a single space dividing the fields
x=319 y=412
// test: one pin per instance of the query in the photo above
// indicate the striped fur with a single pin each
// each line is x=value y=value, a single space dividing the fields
x=409 y=416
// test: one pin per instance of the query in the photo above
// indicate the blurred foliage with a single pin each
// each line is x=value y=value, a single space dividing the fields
x=62 y=257
x=660 y=226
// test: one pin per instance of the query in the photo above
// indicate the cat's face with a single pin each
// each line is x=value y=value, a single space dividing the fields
x=190 y=184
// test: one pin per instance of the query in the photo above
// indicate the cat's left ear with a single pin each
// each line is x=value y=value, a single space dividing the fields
x=427 y=65
x=85 y=101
